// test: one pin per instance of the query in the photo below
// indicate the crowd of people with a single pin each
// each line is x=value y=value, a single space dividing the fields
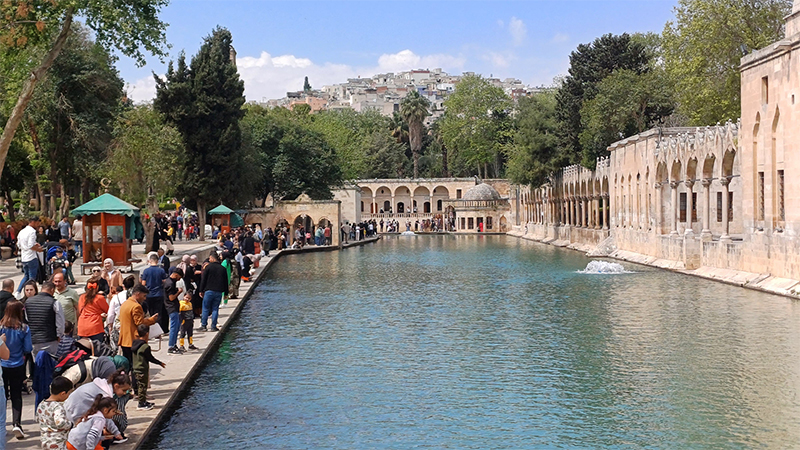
x=85 y=356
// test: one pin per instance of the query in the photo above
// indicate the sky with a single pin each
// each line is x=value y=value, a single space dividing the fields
x=278 y=43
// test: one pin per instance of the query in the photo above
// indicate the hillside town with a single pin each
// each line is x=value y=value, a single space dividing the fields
x=384 y=92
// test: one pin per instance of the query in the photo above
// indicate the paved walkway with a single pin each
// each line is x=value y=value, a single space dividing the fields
x=168 y=382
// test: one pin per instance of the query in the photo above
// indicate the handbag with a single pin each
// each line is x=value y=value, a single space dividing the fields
x=18 y=263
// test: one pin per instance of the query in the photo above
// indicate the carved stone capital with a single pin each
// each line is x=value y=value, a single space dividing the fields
x=674 y=184
x=689 y=183
x=724 y=181
x=706 y=182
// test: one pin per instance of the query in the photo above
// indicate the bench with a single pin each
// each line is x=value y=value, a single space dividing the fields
x=91 y=265
x=6 y=252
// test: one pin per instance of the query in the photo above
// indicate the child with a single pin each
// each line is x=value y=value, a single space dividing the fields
x=88 y=433
x=59 y=262
x=142 y=357
x=187 y=320
x=52 y=415
x=67 y=343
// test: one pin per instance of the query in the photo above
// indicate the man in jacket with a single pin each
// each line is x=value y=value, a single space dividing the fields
x=131 y=315
x=46 y=319
x=213 y=286
x=6 y=294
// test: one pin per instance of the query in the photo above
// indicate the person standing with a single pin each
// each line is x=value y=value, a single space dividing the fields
x=18 y=340
x=67 y=297
x=29 y=248
x=92 y=309
x=173 y=308
x=6 y=294
x=112 y=275
x=213 y=286
x=163 y=260
x=77 y=235
x=153 y=278
x=131 y=315
x=65 y=228
x=46 y=319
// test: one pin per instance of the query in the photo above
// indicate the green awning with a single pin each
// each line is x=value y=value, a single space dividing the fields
x=106 y=203
x=236 y=221
x=221 y=209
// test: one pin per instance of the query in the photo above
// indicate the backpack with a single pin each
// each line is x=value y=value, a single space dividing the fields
x=69 y=360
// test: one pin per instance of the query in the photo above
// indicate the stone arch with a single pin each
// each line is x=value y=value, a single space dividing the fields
x=708 y=167
x=727 y=163
x=383 y=191
x=777 y=155
x=675 y=173
x=661 y=172
x=421 y=191
x=402 y=190
x=756 y=200
x=691 y=169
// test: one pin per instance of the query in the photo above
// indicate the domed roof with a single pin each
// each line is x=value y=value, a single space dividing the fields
x=482 y=191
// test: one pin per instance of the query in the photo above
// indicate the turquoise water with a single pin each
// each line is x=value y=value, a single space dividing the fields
x=478 y=342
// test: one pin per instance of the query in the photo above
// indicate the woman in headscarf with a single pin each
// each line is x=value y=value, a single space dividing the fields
x=112 y=275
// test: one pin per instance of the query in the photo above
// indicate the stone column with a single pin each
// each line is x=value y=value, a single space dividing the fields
x=597 y=212
x=374 y=204
x=674 y=186
x=659 y=209
x=394 y=206
x=606 y=211
x=585 y=212
x=725 y=236
x=705 y=234
x=689 y=208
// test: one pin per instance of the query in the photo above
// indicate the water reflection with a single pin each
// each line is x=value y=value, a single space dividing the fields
x=491 y=342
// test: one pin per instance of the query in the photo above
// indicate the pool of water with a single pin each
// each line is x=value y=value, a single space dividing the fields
x=477 y=342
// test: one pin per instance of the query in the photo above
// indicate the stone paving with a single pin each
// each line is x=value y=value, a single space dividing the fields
x=165 y=383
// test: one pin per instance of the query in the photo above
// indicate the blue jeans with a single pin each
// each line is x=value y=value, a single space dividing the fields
x=211 y=301
x=3 y=420
x=30 y=269
x=78 y=247
x=174 y=327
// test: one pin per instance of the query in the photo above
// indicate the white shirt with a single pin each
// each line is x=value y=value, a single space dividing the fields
x=25 y=241
x=77 y=230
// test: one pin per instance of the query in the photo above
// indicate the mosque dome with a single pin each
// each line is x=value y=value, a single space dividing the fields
x=482 y=191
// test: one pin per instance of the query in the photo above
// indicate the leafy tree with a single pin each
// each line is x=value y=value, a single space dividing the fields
x=73 y=114
x=534 y=155
x=590 y=64
x=626 y=103
x=703 y=47
x=386 y=157
x=127 y=26
x=146 y=157
x=290 y=156
x=414 y=109
x=304 y=163
x=306 y=85
x=204 y=103
x=476 y=126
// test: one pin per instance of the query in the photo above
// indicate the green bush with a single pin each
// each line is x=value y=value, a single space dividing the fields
x=166 y=206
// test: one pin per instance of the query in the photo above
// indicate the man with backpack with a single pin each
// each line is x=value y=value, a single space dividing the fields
x=46 y=319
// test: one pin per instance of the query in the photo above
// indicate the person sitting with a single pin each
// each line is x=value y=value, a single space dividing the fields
x=88 y=433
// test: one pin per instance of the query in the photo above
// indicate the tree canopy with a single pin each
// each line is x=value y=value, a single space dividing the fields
x=703 y=47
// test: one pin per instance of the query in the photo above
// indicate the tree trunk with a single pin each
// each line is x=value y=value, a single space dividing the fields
x=415 y=137
x=27 y=89
x=10 y=202
x=64 y=211
x=446 y=172
x=84 y=190
x=201 y=219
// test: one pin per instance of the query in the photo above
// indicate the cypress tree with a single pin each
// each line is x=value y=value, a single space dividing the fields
x=204 y=102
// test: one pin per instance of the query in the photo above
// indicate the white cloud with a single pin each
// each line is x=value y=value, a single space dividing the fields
x=270 y=77
x=406 y=60
x=499 y=60
x=518 y=30
x=142 y=90
x=560 y=37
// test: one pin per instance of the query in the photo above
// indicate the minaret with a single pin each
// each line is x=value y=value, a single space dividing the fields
x=233 y=50
x=793 y=20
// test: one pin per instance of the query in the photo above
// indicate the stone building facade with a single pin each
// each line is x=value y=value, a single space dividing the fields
x=714 y=200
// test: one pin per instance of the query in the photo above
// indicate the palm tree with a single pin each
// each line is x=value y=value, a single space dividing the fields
x=414 y=110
